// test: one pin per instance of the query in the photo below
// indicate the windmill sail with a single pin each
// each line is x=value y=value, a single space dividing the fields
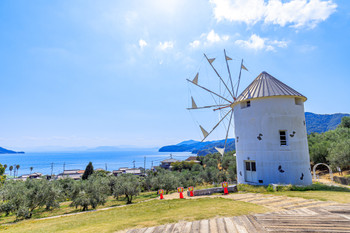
x=195 y=80
x=194 y=105
x=205 y=133
x=243 y=67
x=228 y=58
x=220 y=150
x=211 y=60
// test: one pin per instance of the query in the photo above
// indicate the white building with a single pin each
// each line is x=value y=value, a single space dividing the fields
x=271 y=139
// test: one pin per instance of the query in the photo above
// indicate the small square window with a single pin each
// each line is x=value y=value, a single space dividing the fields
x=245 y=104
x=283 y=137
x=298 y=101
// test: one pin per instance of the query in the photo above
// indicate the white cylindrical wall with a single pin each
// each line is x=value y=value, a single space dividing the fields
x=275 y=164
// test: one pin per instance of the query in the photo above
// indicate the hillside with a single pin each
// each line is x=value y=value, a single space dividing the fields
x=320 y=123
x=315 y=123
x=5 y=151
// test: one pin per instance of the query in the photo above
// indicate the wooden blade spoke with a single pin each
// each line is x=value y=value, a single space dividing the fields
x=228 y=130
x=219 y=76
x=217 y=125
x=229 y=75
x=210 y=106
x=209 y=91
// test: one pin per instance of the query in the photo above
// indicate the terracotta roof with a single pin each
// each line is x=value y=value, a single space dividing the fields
x=265 y=85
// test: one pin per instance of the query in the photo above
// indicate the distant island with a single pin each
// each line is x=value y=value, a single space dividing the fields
x=315 y=123
x=5 y=151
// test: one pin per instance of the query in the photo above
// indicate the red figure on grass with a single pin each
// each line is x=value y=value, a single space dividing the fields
x=190 y=189
x=225 y=185
x=180 y=190
x=160 y=192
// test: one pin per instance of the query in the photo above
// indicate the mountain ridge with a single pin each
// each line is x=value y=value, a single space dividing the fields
x=315 y=123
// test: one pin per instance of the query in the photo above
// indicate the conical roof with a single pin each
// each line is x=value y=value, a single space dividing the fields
x=265 y=85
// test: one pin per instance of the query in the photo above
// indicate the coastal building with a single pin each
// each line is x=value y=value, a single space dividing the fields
x=35 y=175
x=166 y=164
x=74 y=174
x=192 y=159
x=271 y=138
x=125 y=170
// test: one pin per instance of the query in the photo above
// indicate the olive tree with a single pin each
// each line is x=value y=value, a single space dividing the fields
x=128 y=185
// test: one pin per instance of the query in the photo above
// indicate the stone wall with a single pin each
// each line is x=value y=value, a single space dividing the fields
x=342 y=180
x=203 y=192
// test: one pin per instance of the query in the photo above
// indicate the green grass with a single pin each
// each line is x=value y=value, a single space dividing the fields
x=154 y=212
x=315 y=191
x=66 y=209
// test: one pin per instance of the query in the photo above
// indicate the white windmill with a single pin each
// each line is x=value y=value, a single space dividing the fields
x=270 y=129
x=226 y=97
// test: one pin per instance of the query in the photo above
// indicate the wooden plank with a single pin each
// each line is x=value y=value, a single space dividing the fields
x=195 y=227
x=160 y=229
x=239 y=225
x=248 y=225
x=178 y=227
x=259 y=227
x=220 y=225
x=187 y=227
x=149 y=230
x=169 y=228
x=230 y=226
x=213 y=226
x=204 y=226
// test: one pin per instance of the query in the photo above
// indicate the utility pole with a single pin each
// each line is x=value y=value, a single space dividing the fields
x=144 y=166
x=106 y=166
x=152 y=166
x=133 y=163
x=51 y=169
x=64 y=166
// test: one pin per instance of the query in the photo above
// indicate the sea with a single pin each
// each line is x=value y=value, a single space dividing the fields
x=55 y=162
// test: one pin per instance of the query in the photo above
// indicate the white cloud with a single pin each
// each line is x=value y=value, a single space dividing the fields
x=166 y=45
x=195 y=44
x=142 y=43
x=213 y=37
x=297 y=13
x=256 y=42
x=209 y=39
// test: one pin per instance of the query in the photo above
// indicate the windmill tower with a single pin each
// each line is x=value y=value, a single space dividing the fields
x=269 y=121
x=271 y=138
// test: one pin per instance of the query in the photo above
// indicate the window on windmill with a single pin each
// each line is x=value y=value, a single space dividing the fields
x=283 y=137
x=253 y=167
x=247 y=166
x=298 y=101
x=245 y=104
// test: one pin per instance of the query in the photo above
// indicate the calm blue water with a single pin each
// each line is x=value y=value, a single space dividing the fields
x=41 y=161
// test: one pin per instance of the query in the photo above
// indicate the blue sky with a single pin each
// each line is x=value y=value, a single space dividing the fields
x=93 y=73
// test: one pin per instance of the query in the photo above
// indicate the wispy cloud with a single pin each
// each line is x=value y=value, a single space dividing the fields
x=256 y=42
x=166 y=45
x=208 y=39
x=296 y=13
x=142 y=43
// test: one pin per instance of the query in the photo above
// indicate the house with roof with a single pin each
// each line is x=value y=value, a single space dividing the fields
x=74 y=174
x=125 y=170
x=166 y=164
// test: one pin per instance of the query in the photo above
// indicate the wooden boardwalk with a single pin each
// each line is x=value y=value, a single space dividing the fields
x=288 y=215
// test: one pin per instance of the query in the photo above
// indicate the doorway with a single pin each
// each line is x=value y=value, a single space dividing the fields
x=250 y=171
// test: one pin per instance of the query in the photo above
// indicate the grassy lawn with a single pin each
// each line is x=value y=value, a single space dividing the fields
x=316 y=191
x=155 y=212
x=341 y=197
x=66 y=209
